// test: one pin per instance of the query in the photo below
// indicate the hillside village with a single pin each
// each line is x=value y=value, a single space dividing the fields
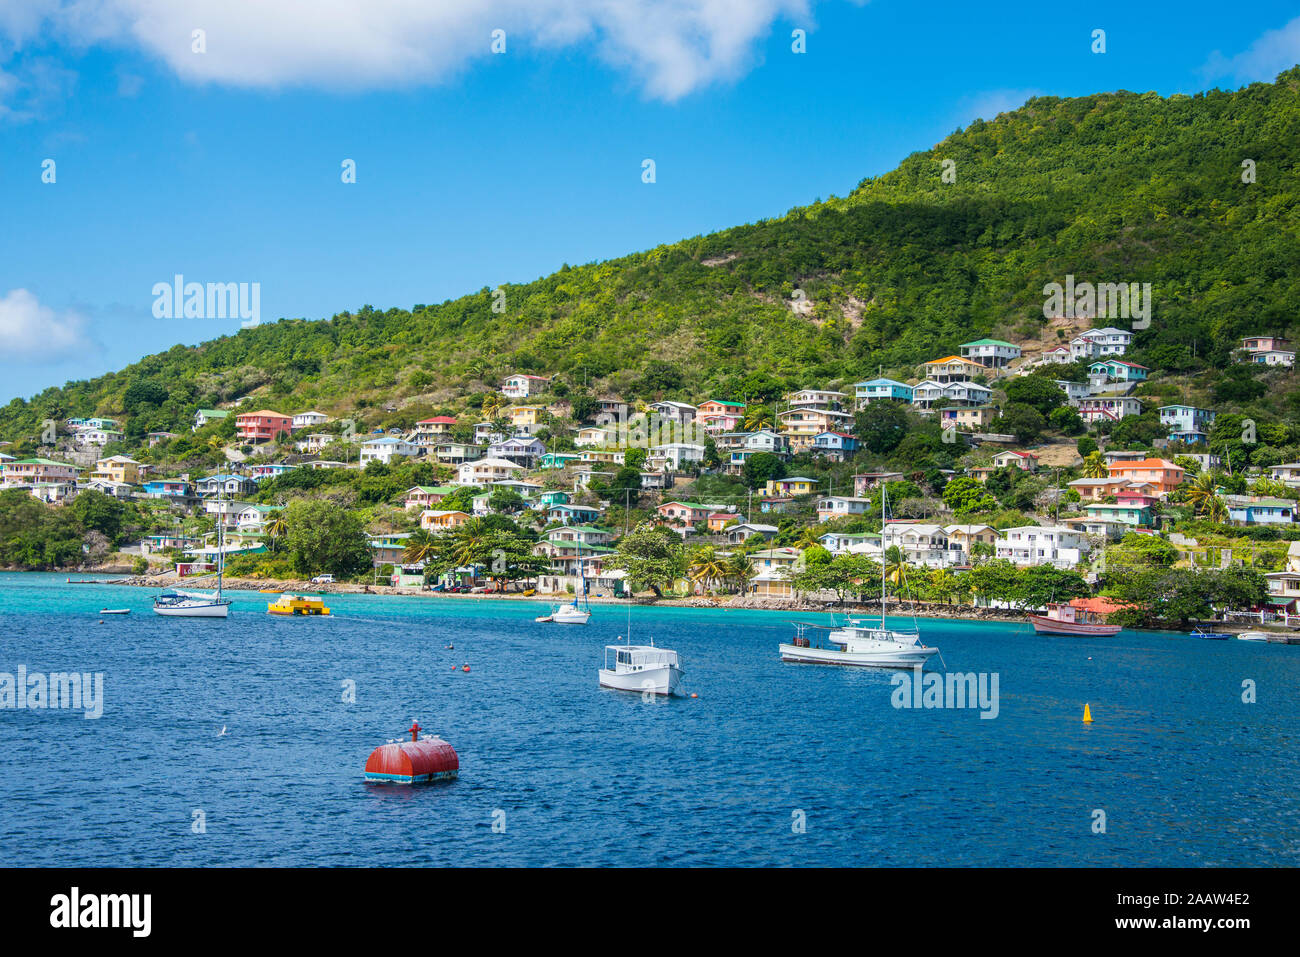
x=1054 y=461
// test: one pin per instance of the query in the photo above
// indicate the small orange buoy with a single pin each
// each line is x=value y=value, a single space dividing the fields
x=466 y=668
x=694 y=695
x=1087 y=714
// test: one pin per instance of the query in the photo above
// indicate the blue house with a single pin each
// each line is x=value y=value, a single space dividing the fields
x=836 y=446
x=1119 y=370
x=1186 y=418
x=572 y=514
x=874 y=389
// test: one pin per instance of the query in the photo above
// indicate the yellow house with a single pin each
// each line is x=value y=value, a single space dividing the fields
x=795 y=485
x=523 y=416
x=432 y=519
x=953 y=369
x=117 y=468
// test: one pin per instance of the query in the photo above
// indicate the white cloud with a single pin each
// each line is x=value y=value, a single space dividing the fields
x=671 y=47
x=29 y=330
x=1273 y=52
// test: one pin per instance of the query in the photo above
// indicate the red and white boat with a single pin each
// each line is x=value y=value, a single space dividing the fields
x=1071 y=620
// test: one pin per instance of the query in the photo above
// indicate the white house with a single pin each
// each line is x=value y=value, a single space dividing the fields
x=1043 y=545
x=383 y=450
x=680 y=412
x=306 y=420
x=521 y=386
x=841 y=506
x=1075 y=392
x=486 y=471
x=993 y=353
x=1097 y=343
x=1268 y=350
x=674 y=457
x=921 y=543
x=1108 y=408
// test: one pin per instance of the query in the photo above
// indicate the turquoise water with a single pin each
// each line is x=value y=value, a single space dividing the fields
x=1185 y=772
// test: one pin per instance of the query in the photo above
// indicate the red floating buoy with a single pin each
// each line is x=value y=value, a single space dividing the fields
x=466 y=668
x=417 y=761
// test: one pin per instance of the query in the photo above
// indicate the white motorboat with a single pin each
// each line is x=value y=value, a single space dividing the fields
x=861 y=642
x=642 y=668
x=1253 y=636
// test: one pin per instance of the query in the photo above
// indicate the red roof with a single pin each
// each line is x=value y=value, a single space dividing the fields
x=438 y=420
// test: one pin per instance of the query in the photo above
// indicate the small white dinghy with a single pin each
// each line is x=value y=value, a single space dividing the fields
x=115 y=611
x=642 y=668
x=1253 y=636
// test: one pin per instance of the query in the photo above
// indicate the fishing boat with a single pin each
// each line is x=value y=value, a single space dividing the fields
x=1199 y=632
x=1253 y=636
x=861 y=642
x=297 y=605
x=188 y=604
x=115 y=611
x=1066 y=619
x=642 y=668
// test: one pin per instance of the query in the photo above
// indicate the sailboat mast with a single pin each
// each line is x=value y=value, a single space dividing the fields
x=221 y=539
x=883 y=520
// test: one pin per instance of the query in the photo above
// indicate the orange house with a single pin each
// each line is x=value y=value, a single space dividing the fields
x=1164 y=475
x=262 y=426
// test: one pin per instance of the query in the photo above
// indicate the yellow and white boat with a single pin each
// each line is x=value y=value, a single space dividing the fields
x=297 y=605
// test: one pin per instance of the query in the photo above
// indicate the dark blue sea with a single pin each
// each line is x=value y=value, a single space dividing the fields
x=773 y=764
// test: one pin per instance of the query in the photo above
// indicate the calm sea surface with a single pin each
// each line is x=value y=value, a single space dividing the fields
x=1186 y=773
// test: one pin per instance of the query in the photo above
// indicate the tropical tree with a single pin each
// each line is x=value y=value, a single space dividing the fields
x=422 y=546
x=276 y=527
x=653 y=558
x=1202 y=493
x=739 y=570
x=1094 y=466
x=707 y=568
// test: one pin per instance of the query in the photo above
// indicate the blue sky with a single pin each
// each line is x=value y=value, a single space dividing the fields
x=476 y=168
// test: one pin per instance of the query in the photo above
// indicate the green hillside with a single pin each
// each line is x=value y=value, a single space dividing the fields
x=1112 y=187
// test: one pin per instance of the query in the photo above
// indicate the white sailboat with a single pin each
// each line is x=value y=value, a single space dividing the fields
x=569 y=613
x=861 y=642
x=189 y=604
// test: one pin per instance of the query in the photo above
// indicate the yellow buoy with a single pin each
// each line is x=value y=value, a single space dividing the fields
x=1087 y=715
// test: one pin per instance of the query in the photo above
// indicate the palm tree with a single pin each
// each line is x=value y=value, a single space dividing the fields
x=470 y=544
x=757 y=417
x=896 y=568
x=421 y=547
x=739 y=570
x=1094 y=466
x=1202 y=493
x=706 y=567
x=1217 y=511
x=276 y=527
x=808 y=537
